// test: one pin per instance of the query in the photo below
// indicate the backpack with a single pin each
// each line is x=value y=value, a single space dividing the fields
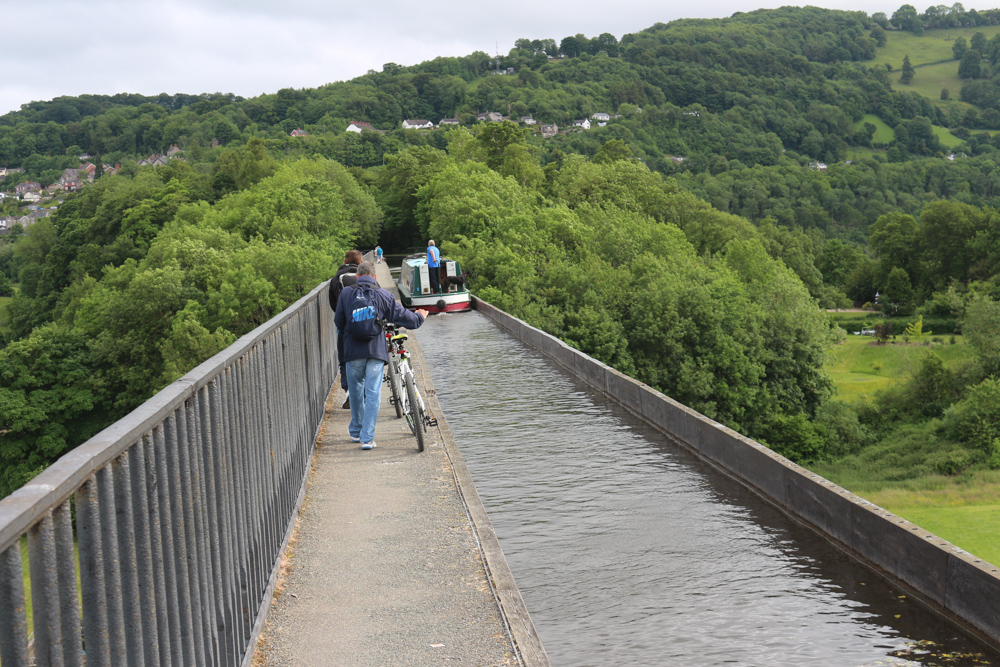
x=364 y=320
x=338 y=284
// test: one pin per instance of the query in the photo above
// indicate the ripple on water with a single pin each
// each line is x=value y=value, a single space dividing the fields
x=628 y=550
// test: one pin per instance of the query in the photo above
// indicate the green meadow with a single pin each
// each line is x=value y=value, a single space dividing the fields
x=859 y=367
x=933 y=46
x=885 y=134
x=963 y=509
x=4 y=300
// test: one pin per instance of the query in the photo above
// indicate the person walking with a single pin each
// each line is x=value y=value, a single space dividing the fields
x=346 y=275
x=378 y=254
x=434 y=266
x=361 y=309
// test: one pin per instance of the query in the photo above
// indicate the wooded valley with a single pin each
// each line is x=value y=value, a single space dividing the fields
x=753 y=172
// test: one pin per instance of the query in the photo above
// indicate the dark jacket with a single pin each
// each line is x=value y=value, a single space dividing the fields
x=336 y=286
x=388 y=309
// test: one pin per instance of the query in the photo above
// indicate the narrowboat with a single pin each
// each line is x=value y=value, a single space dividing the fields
x=415 y=286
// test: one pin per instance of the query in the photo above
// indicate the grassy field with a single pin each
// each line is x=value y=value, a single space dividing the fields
x=963 y=510
x=883 y=133
x=3 y=312
x=946 y=138
x=931 y=47
x=859 y=368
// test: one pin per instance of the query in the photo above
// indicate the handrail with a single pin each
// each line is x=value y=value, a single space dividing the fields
x=182 y=509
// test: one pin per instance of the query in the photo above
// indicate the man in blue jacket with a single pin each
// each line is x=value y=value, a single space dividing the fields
x=434 y=266
x=365 y=358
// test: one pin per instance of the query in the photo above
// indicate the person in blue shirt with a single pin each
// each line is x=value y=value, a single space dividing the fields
x=434 y=266
x=366 y=359
x=378 y=254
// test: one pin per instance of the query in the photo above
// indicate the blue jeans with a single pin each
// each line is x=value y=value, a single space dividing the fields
x=364 y=386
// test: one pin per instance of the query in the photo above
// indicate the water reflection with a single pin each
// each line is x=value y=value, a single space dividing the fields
x=628 y=550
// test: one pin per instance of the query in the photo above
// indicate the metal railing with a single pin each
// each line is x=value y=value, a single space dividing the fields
x=182 y=510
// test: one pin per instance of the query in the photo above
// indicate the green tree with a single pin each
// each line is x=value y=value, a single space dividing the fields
x=981 y=326
x=247 y=165
x=611 y=151
x=960 y=47
x=907 y=73
x=878 y=34
x=969 y=68
x=51 y=400
x=978 y=42
x=897 y=294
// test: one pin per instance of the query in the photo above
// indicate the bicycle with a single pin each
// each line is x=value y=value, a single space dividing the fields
x=407 y=399
x=392 y=376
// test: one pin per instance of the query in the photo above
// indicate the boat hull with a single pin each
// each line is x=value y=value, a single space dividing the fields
x=436 y=303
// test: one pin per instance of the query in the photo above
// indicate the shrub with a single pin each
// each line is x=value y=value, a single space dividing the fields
x=844 y=433
x=796 y=437
x=976 y=419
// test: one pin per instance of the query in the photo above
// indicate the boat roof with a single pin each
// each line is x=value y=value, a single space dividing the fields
x=419 y=258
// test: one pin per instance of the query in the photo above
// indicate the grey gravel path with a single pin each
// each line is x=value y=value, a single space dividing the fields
x=384 y=567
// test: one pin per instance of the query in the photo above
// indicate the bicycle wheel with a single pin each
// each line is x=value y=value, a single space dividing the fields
x=415 y=415
x=397 y=395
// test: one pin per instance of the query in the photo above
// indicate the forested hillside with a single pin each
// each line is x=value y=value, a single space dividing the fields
x=752 y=171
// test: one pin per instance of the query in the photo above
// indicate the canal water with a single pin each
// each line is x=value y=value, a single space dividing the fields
x=629 y=550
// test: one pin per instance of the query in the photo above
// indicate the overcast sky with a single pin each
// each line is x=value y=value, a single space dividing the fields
x=248 y=47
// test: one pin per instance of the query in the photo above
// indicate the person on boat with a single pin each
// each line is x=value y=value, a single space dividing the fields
x=378 y=254
x=366 y=357
x=346 y=275
x=434 y=266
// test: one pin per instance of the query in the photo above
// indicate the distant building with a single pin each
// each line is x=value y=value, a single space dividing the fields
x=450 y=121
x=417 y=124
x=550 y=130
x=582 y=122
x=154 y=160
x=358 y=126
x=490 y=117
x=817 y=166
x=173 y=150
x=26 y=187
x=298 y=132
x=528 y=120
x=600 y=115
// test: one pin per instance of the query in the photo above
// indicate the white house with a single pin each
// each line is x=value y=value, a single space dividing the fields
x=582 y=122
x=449 y=121
x=528 y=120
x=359 y=127
x=600 y=115
x=417 y=124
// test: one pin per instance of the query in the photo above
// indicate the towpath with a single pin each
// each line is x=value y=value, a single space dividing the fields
x=385 y=566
